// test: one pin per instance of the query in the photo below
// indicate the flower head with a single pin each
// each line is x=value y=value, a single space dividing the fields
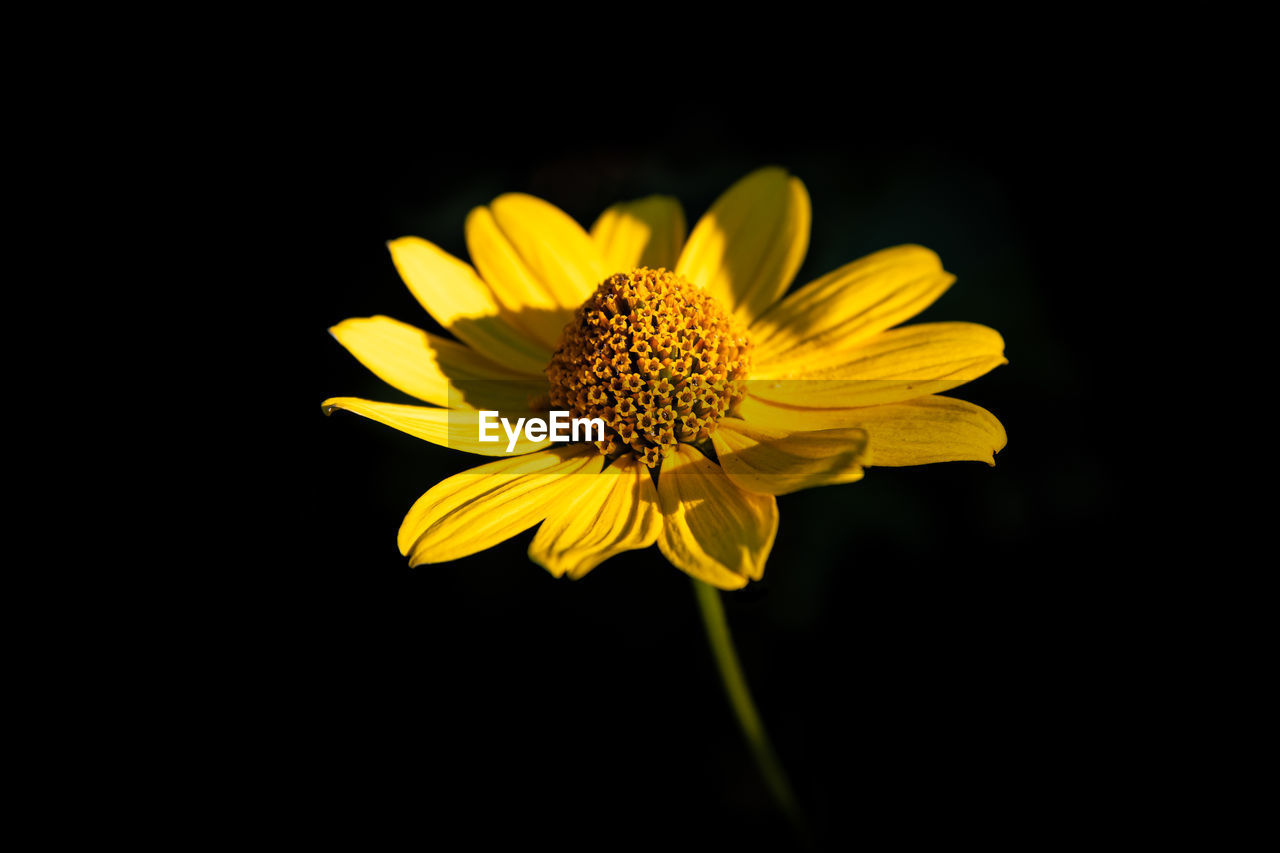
x=714 y=391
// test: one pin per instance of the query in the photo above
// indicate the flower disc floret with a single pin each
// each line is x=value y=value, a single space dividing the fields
x=657 y=359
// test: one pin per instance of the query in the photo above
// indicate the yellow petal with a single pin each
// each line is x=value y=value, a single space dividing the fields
x=711 y=529
x=899 y=364
x=616 y=511
x=649 y=232
x=432 y=368
x=778 y=462
x=539 y=262
x=451 y=292
x=746 y=249
x=477 y=509
x=850 y=305
x=457 y=429
x=917 y=432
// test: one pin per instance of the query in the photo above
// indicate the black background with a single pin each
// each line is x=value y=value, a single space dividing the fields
x=928 y=646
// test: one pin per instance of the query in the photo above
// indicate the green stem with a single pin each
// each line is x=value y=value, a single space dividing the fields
x=740 y=698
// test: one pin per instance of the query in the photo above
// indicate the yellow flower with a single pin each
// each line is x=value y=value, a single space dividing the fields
x=718 y=392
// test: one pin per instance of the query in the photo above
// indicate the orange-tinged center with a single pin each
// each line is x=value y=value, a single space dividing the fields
x=658 y=360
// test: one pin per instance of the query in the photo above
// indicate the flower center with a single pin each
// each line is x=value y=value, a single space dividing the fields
x=658 y=360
